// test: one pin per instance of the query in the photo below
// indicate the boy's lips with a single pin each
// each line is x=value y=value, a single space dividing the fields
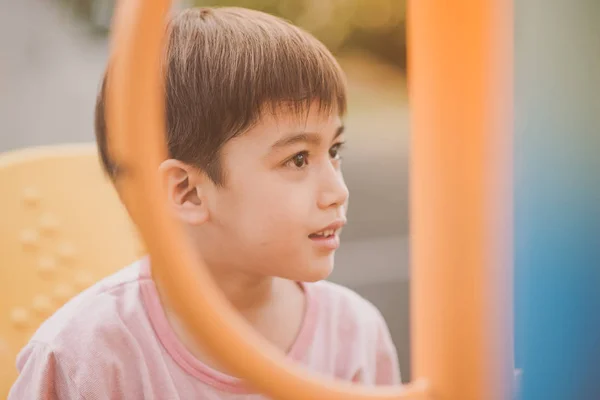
x=330 y=229
x=328 y=237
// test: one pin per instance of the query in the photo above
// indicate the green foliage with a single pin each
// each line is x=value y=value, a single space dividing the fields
x=377 y=26
x=96 y=13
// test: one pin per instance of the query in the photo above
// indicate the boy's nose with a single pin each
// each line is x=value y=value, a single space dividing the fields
x=334 y=191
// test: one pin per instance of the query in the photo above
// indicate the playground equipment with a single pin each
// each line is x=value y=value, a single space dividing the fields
x=460 y=60
x=55 y=240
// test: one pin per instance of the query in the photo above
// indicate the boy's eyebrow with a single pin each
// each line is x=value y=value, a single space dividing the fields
x=304 y=137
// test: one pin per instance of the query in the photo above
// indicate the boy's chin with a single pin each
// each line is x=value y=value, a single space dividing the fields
x=318 y=271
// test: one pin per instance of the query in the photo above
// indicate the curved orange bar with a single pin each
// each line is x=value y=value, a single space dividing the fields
x=460 y=77
x=136 y=120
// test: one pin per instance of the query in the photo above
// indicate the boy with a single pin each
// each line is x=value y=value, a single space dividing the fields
x=254 y=132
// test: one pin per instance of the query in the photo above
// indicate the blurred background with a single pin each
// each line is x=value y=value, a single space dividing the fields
x=54 y=52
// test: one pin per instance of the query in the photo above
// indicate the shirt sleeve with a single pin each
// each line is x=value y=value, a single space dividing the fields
x=42 y=376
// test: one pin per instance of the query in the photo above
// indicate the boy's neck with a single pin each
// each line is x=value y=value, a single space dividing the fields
x=246 y=292
x=274 y=307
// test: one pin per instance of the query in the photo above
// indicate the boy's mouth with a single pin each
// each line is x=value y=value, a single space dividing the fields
x=323 y=234
x=330 y=231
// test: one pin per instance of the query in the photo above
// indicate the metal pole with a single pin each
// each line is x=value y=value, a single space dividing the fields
x=460 y=83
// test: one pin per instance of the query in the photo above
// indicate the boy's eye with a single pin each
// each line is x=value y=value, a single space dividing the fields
x=334 y=151
x=299 y=160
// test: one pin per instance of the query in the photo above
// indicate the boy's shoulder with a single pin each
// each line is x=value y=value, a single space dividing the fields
x=95 y=341
x=111 y=299
x=365 y=351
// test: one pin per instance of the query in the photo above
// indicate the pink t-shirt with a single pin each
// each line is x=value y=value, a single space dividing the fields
x=113 y=342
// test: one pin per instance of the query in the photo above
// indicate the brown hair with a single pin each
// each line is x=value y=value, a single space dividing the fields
x=223 y=67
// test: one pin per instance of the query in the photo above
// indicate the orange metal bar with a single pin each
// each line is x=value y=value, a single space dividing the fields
x=460 y=77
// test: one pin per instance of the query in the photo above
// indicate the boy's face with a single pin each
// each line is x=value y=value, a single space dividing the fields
x=283 y=202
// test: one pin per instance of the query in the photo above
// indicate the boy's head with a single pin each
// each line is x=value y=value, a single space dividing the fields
x=254 y=109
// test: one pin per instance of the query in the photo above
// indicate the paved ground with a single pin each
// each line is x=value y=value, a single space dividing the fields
x=376 y=161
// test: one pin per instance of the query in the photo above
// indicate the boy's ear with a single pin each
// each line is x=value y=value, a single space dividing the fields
x=184 y=186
